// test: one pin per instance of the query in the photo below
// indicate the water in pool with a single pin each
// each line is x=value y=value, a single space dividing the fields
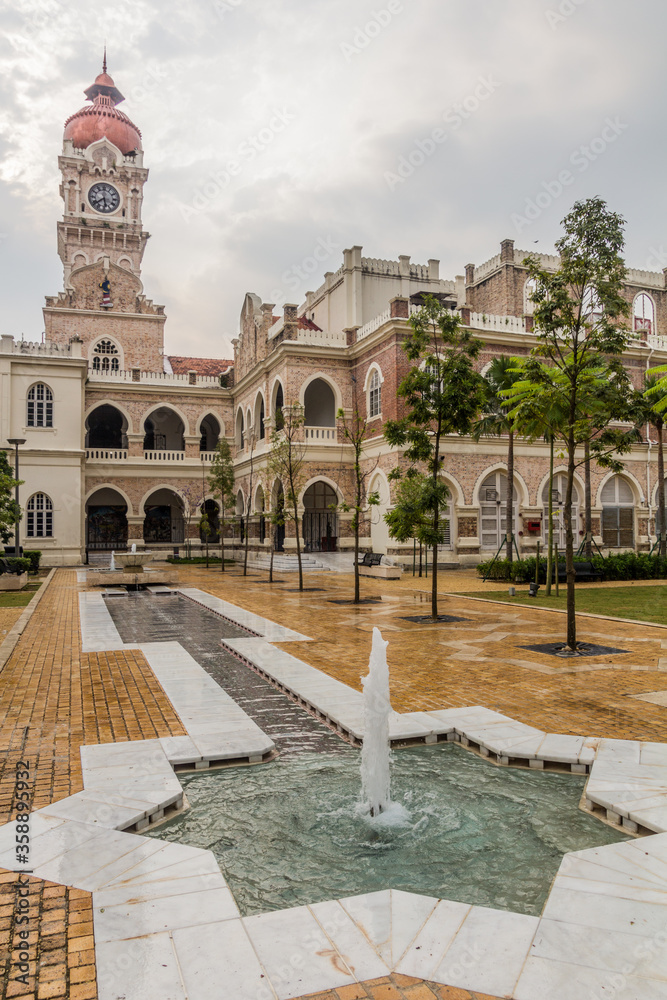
x=292 y=831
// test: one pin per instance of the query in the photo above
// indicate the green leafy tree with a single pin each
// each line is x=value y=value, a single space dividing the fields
x=443 y=394
x=221 y=482
x=285 y=462
x=9 y=511
x=655 y=395
x=577 y=365
x=355 y=431
x=496 y=422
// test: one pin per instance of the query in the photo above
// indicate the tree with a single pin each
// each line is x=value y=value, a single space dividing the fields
x=221 y=481
x=249 y=510
x=494 y=422
x=356 y=432
x=655 y=394
x=286 y=460
x=443 y=394
x=577 y=364
x=10 y=512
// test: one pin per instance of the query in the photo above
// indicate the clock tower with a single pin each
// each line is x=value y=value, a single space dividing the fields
x=101 y=239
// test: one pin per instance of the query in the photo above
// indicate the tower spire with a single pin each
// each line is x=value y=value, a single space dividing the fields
x=104 y=61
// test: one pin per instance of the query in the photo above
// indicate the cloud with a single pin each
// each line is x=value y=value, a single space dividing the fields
x=314 y=104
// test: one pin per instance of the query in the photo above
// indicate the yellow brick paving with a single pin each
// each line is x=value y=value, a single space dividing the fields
x=54 y=698
x=453 y=664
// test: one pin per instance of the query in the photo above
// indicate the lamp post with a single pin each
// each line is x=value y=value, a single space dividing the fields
x=17 y=545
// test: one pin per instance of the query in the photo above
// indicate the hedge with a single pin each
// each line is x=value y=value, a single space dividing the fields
x=34 y=555
x=15 y=565
x=623 y=566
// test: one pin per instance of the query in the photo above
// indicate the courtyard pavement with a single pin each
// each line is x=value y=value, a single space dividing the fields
x=54 y=698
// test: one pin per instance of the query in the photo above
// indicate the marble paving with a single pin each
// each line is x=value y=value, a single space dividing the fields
x=166 y=924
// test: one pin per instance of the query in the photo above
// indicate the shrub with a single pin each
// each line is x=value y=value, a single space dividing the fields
x=34 y=555
x=617 y=566
x=13 y=565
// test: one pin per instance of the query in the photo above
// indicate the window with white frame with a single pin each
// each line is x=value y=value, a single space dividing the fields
x=39 y=513
x=375 y=395
x=643 y=313
x=618 y=514
x=528 y=291
x=106 y=357
x=591 y=307
x=40 y=406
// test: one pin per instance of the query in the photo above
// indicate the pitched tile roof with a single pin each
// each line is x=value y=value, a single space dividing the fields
x=203 y=366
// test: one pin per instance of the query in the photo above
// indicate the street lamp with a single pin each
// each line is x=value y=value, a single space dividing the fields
x=17 y=545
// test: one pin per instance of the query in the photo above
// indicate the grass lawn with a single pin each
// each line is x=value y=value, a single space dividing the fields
x=645 y=603
x=19 y=598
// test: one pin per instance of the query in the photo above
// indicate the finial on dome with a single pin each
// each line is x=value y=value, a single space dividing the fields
x=104 y=61
x=104 y=87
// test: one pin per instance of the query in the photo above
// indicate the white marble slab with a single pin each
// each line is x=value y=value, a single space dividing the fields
x=428 y=949
x=149 y=964
x=219 y=960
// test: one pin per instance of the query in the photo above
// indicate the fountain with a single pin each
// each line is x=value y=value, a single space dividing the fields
x=375 y=766
x=112 y=563
x=127 y=569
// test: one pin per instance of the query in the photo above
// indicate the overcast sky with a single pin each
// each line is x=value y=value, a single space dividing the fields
x=272 y=127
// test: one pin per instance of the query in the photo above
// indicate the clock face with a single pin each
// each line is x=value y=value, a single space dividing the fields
x=104 y=197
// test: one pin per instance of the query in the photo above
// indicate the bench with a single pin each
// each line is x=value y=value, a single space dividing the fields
x=6 y=567
x=584 y=572
x=371 y=559
x=371 y=565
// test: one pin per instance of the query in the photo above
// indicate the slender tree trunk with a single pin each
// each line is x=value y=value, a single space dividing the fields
x=509 y=514
x=298 y=543
x=588 y=513
x=357 y=515
x=550 y=525
x=436 y=527
x=569 y=536
x=273 y=549
x=662 y=545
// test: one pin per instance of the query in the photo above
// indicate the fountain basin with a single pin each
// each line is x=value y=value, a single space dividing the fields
x=133 y=562
x=295 y=832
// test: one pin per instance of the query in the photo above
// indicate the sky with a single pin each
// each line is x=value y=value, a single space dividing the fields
x=274 y=128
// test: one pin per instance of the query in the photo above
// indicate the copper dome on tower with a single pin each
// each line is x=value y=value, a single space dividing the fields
x=102 y=119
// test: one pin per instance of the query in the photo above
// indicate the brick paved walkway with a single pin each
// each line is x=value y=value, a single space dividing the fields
x=53 y=699
x=398 y=988
x=478 y=661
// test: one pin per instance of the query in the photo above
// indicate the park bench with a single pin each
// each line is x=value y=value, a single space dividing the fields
x=584 y=572
x=371 y=565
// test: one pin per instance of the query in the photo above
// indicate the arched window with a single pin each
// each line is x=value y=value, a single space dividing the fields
x=492 y=508
x=375 y=395
x=528 y=291
x=40 y=406
x=106 y=357
x=557 y=501
x=643 y=312
x=618 y=514
x=591 y=307
x=39 y=516
x=279 y=418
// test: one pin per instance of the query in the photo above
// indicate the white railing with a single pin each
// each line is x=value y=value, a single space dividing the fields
x=164 y=456
x=501 y=324
x=374 y=324
x=106 y=454
x=48 y=349
x=321 y=435
x=206 y=456
x=153 y=378
x=329 y=338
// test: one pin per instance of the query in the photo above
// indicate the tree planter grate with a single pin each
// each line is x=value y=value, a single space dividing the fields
x=583 y=649
x=425 y=619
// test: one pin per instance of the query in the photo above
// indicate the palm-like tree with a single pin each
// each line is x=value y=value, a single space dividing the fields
x=655 y=394
x=495 y=422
